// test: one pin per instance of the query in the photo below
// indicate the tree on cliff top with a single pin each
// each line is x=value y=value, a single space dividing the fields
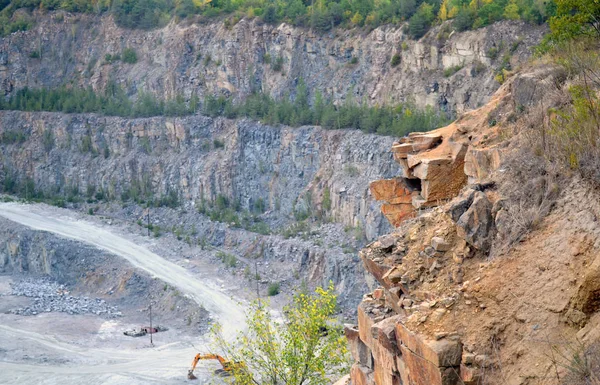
x=303 y=348
x=575 y=18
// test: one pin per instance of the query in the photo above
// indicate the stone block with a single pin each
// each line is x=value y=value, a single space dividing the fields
x=379 y=293
x=385 y=348
x=401 y=150
x=470 y=375
x=393 y=299
x=360 y=352
x=403 y=371
x=366 y=320
x=476 y=225
x=361 y=375
x=378 y=270
x=440 y=244
x=391 y=190
x=382 y=376
x=423 y=372
x=440 y=353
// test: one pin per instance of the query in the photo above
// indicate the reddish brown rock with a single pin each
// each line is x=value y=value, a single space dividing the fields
x=398 y=213
x=385 y=348
x=398 y=197
x=361 y=375
x=378 y=269
x=366 y=320
x=423 y=372
x=379 y=293
x=469 y=375
x=384 y=377
x=440 y=353
x=360 y=352
x=432 y=171
x=393 y=191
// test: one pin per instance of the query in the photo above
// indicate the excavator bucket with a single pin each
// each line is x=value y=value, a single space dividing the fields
x=191 y=376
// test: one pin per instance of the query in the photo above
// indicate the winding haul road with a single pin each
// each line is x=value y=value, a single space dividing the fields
x=127 y=367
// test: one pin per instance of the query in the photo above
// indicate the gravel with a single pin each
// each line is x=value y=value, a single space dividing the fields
x=50 y=296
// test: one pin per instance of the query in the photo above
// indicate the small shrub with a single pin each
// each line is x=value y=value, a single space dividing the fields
x=13 y=137
x=494 y=52
x=129 y=56
x=277 y=66
x=48 y=140
x=354 y=60
x=218 y=143
x=229 y=260
x=452 y=70
x=273 y=289
x=145 y=145
x=109 y=59
x=478 y=68
x=35 y=54
x=351 y=170
x=395 y=60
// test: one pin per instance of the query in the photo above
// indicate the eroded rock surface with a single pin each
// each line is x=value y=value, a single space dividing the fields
x=214 y=58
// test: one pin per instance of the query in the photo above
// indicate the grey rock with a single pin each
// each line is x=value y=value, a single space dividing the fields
x=476 y=225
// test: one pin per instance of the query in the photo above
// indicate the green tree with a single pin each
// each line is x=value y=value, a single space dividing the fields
x=303 y=349
x=511 y=11
x=421 y=21
x=575 y=18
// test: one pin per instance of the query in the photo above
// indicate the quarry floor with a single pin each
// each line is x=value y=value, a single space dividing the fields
x=58 y=348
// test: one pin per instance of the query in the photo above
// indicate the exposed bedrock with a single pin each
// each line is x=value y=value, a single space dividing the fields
x=186 y=59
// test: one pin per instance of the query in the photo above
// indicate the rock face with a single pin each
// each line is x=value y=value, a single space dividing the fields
x=432 y=172
x=436 y=165
x=236 y=60
x=286 y=171
x=457 y=305
x=200 y=158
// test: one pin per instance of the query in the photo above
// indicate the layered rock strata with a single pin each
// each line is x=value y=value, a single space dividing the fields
x=235 y=60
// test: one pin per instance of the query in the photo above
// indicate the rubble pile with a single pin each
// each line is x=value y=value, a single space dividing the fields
x=50 y=296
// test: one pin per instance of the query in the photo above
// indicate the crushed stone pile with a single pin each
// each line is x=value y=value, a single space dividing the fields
x=50 y=296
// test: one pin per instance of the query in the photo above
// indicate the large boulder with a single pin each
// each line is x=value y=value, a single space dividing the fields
x=476 y=225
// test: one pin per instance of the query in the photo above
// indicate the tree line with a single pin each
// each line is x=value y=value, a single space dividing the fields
x=293 y=110
x=320 y=15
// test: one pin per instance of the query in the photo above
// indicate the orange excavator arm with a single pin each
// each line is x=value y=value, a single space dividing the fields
x=224 y=363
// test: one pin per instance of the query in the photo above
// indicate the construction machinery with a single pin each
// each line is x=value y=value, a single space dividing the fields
x=228 y=367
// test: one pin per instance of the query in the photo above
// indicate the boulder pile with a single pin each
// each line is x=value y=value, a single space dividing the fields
x=50 y=296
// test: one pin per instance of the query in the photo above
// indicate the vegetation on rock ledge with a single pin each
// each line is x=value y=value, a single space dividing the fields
x=385 y=120
x=321 y=15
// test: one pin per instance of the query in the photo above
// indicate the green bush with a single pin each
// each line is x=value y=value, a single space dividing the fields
x=129 y=56
x=273 y=289
x=228 y=259
x=452 y=70
x=395 y=60
x=13 y=137
x=277 y=66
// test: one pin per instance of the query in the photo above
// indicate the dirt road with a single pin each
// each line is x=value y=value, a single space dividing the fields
x=160 y=365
